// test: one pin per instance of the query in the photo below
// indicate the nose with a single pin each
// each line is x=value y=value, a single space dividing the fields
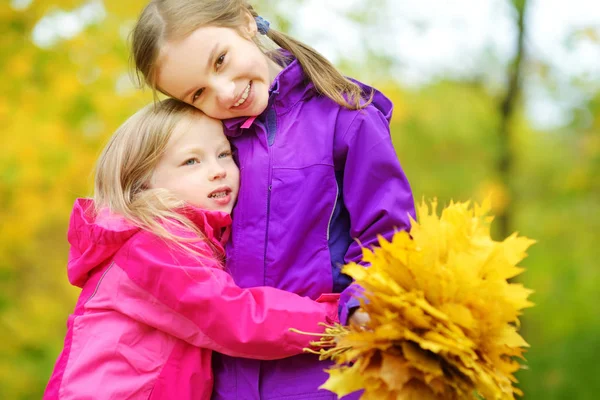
x=224 y=91
x=216 y=171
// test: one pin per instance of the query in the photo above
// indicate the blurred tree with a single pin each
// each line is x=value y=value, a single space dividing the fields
x=507 y=111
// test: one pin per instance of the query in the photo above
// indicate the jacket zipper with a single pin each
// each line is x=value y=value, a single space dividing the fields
x=335 y=201
x=270 y=124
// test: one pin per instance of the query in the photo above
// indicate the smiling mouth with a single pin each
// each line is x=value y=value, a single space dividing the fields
x=219 y=194
x=242 y=99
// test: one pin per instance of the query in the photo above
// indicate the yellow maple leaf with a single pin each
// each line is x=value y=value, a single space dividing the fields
x=343 y=381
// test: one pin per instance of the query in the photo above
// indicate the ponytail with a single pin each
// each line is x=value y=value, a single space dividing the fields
x=327 y=79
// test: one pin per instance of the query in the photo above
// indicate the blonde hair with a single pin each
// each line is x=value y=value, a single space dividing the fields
x=126 y=166
x=165 y=20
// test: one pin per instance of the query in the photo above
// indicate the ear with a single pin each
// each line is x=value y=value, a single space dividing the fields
x=249 y=28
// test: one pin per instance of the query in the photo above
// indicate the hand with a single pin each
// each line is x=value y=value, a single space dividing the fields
x=359 y=318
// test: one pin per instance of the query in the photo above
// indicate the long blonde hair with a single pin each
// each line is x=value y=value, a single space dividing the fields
x=165 y=20
x=126 y=165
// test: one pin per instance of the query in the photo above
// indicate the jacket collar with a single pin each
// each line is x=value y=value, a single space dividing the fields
x=216 y=225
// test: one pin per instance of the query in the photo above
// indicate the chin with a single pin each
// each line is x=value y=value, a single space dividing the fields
x=262 y=105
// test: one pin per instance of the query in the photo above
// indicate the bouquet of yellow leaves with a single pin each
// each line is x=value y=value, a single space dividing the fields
x=443 y=316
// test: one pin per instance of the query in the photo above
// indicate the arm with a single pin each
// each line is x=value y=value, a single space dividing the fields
x=163 y=288
x=376 y=192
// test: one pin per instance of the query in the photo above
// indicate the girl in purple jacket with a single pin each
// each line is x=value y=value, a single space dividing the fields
x=320 y=177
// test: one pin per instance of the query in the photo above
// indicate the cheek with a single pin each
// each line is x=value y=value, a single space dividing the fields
x=156 y=180
x=234 y=173
x=262 y=66
x=213 y=110
x=164 y=178
x=178 y=184
x=194 y=193
x=255 y=62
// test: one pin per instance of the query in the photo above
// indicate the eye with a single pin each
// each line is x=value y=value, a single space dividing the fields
x=225 y=154
x=191 y=161
x=197 y=94
x=220 y=61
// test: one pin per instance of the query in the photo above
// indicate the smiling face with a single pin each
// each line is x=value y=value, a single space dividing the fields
x=219 y=71
x=197 y=165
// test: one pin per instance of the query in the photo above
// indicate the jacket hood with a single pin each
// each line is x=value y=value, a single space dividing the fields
x=291 y=85
x=380 y=101
x=96 y=237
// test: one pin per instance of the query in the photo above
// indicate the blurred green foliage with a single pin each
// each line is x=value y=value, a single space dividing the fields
x=58 y=105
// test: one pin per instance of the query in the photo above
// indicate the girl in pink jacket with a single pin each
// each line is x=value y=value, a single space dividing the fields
x=148 y=253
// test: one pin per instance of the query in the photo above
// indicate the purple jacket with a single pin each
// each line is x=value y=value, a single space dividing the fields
x=314 y=177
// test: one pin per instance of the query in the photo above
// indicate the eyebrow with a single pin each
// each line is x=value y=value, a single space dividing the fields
x=208 y=64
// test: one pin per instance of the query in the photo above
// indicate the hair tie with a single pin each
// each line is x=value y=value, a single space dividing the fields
x=262 y=25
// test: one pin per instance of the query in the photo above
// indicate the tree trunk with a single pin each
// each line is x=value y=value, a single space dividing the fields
x=507 y=107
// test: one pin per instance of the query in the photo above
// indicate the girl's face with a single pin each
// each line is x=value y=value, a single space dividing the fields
x=197 y=165
x=219 y=71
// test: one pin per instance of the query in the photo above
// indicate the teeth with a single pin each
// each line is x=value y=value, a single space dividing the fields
x=244 y=97
x=218 y=195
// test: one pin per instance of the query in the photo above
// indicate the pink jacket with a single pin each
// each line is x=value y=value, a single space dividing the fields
x=149 y=316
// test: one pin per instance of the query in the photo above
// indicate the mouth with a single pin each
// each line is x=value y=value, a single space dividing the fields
x=244 y=96
x=220 y=193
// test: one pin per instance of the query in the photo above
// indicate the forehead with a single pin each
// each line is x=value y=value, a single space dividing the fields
x=198 y=130
x=200 y=41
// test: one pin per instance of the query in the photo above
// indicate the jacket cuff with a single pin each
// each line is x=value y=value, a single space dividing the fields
x=334 y=299
x=349 y=301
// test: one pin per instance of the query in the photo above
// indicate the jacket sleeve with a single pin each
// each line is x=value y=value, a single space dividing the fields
x=162 y=288
x=376 y=191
